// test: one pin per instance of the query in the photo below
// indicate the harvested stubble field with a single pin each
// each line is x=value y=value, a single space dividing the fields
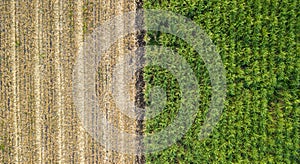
x=39 y=42
x=258 y=42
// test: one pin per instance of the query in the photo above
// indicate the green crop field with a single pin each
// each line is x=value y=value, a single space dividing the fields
x=258 y=42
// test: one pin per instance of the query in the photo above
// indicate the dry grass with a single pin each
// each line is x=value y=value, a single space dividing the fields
x=39 y=42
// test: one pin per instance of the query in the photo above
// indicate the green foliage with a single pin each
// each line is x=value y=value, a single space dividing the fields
x=258 y=42
x=2 y=147
x=17 y=44
x=168 y=83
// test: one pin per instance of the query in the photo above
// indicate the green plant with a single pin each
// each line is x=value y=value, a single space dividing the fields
x=257 y=41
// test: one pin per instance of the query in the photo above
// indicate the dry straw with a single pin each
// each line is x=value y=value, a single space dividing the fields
x=39 y=42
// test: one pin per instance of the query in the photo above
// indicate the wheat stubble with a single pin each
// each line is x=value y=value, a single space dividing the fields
x=39 y=43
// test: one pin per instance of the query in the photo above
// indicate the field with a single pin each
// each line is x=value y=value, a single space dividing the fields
x=39 y=45
x=258 y=42
x=40 y=40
